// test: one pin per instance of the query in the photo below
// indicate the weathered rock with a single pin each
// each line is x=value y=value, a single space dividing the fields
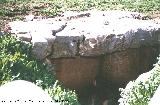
x=77 y=73
x=123 y=66
x=96 y=37
x=91 y=33
x=155 y=99
x=40 y=33
x=23 y=92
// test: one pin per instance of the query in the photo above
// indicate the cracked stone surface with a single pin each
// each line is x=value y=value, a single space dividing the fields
x=89 y=33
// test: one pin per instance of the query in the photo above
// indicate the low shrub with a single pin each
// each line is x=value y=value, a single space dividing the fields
x=17 y=63
x=140 y=91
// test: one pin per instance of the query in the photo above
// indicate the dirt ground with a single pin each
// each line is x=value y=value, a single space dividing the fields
x=4 y=20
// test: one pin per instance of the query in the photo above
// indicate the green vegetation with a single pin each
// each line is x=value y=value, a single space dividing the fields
x=16 y=9
x=16 y=63
x=52 y=7
x=140 y=91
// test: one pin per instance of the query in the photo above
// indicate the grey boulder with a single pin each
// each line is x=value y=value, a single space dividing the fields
x=23 y=92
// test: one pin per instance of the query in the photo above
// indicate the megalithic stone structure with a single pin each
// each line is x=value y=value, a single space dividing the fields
x=94 y=52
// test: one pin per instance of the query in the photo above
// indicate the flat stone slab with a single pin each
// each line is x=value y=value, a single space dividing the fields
x=89 y=33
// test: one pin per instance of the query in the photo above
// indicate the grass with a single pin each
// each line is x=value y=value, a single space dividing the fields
x=16 y=9
x=55 y=6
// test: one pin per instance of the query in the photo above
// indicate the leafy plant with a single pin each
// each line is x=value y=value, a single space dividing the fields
x=17 y=63
x=62 y=95
x=54 y=7
x=140 y=91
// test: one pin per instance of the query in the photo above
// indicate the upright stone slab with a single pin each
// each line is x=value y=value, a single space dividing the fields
x=77 y=73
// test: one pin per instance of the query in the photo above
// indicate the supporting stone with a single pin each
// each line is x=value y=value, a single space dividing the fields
x=124 y=66
x=98 y=79
x=78 y=72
